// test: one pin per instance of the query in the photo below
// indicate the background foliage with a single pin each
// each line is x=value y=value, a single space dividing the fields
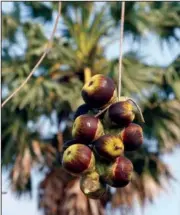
x=53 y=94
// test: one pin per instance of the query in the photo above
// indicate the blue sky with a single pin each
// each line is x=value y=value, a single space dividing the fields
x=167 y=202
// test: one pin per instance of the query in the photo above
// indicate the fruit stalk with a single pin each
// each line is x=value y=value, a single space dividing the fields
x=120 y=55
x=102 y=111
x=138 y=108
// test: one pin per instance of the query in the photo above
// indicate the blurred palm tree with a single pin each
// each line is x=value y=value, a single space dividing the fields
x=53 y=93
x=161 y=18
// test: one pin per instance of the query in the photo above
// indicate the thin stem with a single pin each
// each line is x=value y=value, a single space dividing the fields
x=139 y=109
x=102 y=111
x=26 y=80
x=120 y=55
x=39 y=61
x=56 y=22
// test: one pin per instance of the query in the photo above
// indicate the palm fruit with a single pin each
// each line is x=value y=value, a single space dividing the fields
x=99 y=92
x=82 y=109
x=91 y=185
x=109 y=146
x=69 y=143
x=132 y=137
x=120 y=113
x=87 y=128
x=119 y=173
x=78 y=159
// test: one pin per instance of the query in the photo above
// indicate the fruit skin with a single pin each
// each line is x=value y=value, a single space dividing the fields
x=99 y=92
x=78 y=159
x=82 y=109
x=69 y=143
x=72 y=142
x=132 y=137
x=91 y=185
x=87 y=128
x=119 y=173
x=109 y=146
x=121 y=113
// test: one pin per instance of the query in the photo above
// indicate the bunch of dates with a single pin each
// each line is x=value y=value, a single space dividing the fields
x=95 y=153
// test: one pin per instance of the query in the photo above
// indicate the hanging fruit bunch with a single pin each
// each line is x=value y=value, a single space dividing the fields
x=95 y=153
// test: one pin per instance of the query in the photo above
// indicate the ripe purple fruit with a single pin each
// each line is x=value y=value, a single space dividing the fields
x=78 y=159
x=91 y=185
x=132 y=137
x=99 y=91
x=119 y=173
x=82 y=109
x=69 y=143
x=109 y=146
x=121 y=113
x=87 y=128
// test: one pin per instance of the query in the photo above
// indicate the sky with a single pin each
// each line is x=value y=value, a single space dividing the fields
x=168 y=202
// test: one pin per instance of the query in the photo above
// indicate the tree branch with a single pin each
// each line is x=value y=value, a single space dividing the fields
x=39 y=61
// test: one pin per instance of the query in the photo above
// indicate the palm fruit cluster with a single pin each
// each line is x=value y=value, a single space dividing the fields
x=95 y=153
